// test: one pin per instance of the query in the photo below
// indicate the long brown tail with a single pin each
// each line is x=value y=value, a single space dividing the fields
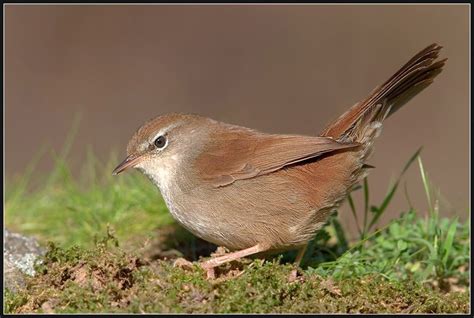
x=358 y=122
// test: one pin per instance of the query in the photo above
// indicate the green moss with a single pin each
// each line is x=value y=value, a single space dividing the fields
x=105 y=278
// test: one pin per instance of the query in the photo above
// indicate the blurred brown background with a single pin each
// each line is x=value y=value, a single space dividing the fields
x=280 y=68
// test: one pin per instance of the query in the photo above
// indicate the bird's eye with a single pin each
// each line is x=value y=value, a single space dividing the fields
x=160 y=142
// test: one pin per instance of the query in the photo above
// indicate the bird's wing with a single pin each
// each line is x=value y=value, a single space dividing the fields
x=237 y=155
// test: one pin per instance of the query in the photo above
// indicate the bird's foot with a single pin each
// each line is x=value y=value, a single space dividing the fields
x=210 y=270
x=210 y=265
x=293 y=276
x=183 y=263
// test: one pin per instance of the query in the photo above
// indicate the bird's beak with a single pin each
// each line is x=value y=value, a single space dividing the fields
x=129 y=162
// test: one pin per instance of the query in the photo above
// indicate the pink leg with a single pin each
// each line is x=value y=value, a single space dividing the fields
x=214 y=262
x=299 y=258
x=300 y=255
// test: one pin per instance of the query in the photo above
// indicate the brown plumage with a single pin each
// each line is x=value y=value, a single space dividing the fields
x=255 y=192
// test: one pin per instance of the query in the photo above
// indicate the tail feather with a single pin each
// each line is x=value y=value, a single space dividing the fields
x=362 y=121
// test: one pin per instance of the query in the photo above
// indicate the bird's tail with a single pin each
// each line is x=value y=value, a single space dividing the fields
x=362 y=122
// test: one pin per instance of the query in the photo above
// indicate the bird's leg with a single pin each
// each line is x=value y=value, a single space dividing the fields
x=211 y=264
x=300 y=255
x=299 y=258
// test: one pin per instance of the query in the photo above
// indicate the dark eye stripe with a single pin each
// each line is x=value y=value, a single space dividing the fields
x=160 y=142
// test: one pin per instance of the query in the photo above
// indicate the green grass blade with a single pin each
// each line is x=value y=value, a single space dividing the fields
x=426 y=184
x=448 y=242
x=407 y=196
x=381 y=209
x=412 y=158
x=366 y=204
x=354 y=213
x=341 y=237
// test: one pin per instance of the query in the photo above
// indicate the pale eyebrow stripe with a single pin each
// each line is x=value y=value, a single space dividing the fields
x=162 y=132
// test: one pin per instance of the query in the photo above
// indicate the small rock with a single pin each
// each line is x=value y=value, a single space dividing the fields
x=19 y=255
x=14 y=278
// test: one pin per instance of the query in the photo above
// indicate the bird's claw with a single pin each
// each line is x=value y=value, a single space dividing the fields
x=210 y=270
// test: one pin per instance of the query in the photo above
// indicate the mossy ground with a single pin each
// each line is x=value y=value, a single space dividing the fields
x=105 y=278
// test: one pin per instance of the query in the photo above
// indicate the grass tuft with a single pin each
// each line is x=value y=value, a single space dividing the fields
x=73 y=211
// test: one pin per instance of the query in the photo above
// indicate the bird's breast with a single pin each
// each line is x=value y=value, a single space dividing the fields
x=187 y=207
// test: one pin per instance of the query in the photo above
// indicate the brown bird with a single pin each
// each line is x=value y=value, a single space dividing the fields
x=254 y=192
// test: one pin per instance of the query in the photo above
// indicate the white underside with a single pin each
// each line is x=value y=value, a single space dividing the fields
x=163 y=177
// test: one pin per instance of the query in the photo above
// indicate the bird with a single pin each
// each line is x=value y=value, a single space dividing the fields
x=254 y=192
